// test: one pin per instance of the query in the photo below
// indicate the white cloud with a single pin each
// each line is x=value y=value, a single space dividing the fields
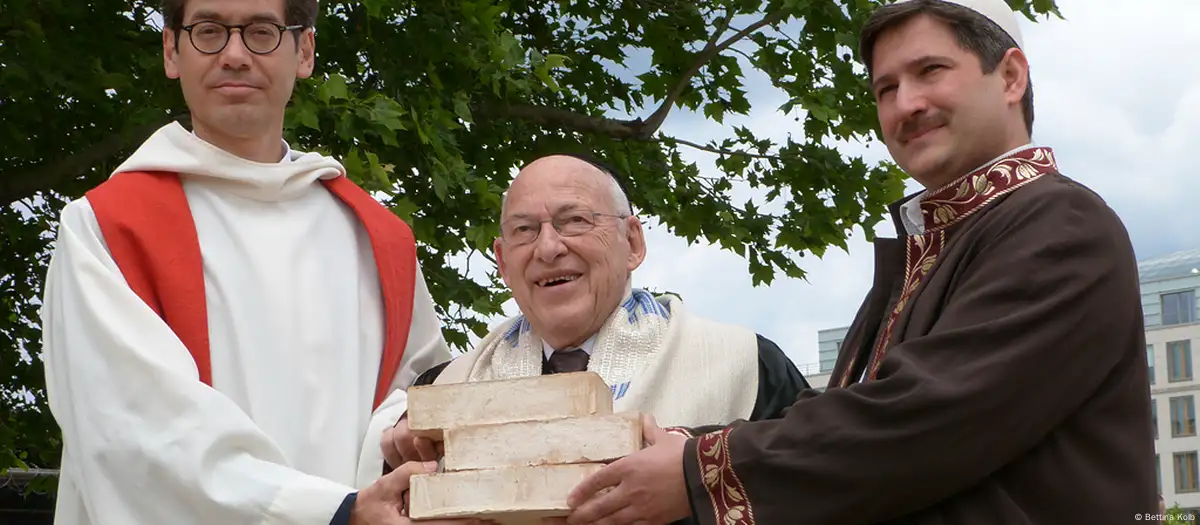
x=1116 y=96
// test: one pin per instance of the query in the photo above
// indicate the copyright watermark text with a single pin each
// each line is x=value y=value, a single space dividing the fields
x=1164 y=517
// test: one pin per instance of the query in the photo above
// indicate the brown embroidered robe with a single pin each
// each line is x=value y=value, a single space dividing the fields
x=1004 y=377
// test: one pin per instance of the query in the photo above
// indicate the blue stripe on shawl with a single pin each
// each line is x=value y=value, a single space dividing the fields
x=618 y=391
x=641 y=303
x=514 y=332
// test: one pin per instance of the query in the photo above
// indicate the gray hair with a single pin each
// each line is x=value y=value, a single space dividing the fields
x=620 y=201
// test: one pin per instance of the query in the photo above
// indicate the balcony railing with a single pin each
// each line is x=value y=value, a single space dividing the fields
x=19 y=478
x=809 y=369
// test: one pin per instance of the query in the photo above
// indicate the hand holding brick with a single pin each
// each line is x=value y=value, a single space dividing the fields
x=514 y=449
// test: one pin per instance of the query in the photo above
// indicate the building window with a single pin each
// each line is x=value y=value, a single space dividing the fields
x=1179 y=307
x=1150 y=361
x=1185 y=472
x=1183 y=416
x=1179 y=361
x=1158 y=473
x=1154 y=414
x=829 y=357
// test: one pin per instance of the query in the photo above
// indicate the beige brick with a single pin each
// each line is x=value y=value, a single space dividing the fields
x=510 y=496
x=434 y=408
x=587 y=439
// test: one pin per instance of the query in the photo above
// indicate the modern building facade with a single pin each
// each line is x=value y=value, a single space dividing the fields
x=829 y=343
x=1169 y=294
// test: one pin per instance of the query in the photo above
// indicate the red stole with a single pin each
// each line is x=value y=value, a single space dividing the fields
x=147 y=223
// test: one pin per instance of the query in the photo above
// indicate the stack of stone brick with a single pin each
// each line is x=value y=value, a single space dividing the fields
x=514 y=449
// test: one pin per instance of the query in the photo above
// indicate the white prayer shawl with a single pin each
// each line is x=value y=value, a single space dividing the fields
x=296 y=322
x=656 y=356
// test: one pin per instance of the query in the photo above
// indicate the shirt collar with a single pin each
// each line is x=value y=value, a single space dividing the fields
x=910 y=211
x=586 y=347
x=287 y=151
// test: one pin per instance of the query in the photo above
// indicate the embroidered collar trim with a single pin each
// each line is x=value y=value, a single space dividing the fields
x=968 y=194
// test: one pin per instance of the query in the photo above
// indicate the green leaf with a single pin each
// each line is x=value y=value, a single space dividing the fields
x=389 y=114
x=421 y=132
x=715 y=110
x=356 y=170
x=555 y=61
x=374 y=7
x=439 y=186
x=820 y=113
x=462 y=109
x=347 y=127
x=481 y=238
x=378 y=172
x=308 y=117
x=333 y=89
x=404 y=208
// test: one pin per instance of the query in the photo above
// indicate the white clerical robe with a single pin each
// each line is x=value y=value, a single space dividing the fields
x=296 y=322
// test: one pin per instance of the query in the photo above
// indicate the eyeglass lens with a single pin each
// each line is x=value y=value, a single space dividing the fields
x=259 y=37
x=521 y=231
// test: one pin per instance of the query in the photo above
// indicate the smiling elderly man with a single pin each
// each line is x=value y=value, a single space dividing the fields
x=569 y=244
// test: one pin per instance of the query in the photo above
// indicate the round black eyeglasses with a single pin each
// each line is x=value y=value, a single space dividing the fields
x=260 y=38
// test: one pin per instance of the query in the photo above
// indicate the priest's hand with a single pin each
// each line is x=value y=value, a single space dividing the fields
x=400 y=446
x=644 y=487
x=385 y=501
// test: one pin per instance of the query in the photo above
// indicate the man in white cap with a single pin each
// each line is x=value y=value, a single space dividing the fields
x=995 y=373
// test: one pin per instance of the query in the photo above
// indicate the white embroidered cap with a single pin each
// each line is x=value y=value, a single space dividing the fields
x=995 y=10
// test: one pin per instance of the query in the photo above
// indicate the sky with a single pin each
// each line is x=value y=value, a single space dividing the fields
x=1116 y=95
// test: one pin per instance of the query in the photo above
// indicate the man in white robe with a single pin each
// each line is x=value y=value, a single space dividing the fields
x=569 y=244
x=277 y=419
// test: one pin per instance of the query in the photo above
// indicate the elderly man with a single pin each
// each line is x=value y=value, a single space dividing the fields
x=996 y=372
x=569 y=243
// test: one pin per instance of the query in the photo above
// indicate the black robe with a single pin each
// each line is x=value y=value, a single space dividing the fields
x=1004 y=377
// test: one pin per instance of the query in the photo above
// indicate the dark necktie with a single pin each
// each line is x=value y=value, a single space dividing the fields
x=572 y=361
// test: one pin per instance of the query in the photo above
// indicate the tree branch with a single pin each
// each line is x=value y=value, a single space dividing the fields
x=790 y=38
x=743 y=53
x=49 y=175
x=621 y=129
x=719 y=151
x=25 y=205
x=710 y=51
x=564 y=118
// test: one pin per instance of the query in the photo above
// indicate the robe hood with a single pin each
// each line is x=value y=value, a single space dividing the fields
x=175 y=149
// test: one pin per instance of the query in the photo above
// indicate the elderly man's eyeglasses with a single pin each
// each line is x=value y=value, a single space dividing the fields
x=260 y=38
x=568 y=224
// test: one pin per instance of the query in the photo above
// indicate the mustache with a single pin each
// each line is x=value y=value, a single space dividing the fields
x=920 y=124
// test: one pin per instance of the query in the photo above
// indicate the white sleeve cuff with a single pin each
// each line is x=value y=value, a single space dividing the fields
x=310 y=500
